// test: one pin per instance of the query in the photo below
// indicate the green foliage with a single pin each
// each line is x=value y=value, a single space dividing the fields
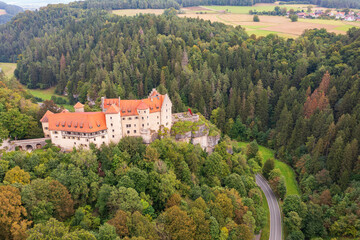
x=256 y=18
x=294 y=17
x=268 y=167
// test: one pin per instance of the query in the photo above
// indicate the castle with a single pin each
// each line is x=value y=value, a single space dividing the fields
x=119 y=118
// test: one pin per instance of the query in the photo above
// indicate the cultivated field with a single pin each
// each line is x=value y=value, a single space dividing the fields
x=2 y=11
x=8 y=68
x=238 y=15
x=133 y=12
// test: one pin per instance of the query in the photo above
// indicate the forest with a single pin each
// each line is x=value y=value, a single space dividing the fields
x=300 y=97
x=124 y=4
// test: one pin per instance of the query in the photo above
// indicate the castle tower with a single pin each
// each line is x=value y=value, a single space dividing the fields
x=79 y=107
x=113 y=123
x=143 y=111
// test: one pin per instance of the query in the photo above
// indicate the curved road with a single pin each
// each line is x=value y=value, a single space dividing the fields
x=275 y=215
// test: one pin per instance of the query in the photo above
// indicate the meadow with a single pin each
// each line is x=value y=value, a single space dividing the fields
x=8 y=68
x=239 y=15
x=45 y=94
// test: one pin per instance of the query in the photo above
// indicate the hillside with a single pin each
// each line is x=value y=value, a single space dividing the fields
x=7 y=11
x=299 y=97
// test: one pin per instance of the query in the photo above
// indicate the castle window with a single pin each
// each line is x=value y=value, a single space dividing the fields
x=110 y=117
x=136 y=117
x=111 y=124
x=113 y=130
x=134 y=131
x=113 y=136
x=103 y=137
x=157 y=117
x=142 y=118
x=74 y=143
x=129 y=118
x=87 y=140
x=64 y=137
x=134 y=125
x=46 y=128
x=147 y=116
x=94 y=139
x=123 y=118
x=167 y=124
x=158 y=123
x=128 y=132
x=148 y=124
x=78 y=138
x=143 y=125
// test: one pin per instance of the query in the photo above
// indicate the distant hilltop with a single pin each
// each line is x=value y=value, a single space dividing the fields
x=10 y=12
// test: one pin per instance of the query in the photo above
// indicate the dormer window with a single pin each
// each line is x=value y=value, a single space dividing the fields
x=58 y=124
x=129 y=110
x=76 y=124
x=81 y=125
x=69 y=124
x=63 y=123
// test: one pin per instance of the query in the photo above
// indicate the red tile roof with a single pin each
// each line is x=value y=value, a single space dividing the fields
x=129 y=107
x=45 y=117
x=78 y=105
x=111 y=101
x=85 y=122
x=142 y=106
x=112 y=109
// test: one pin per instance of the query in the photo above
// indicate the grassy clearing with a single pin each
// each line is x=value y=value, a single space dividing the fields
x=286 y=170
x=265 y=233
x=322 y=21
x=246 y=9
x=46 y=94
x=8 y=68
x=344 y=27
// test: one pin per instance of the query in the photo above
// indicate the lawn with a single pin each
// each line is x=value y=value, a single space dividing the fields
x=286 y=170
x=46 y=94
x=8 y=68
x=265 y=232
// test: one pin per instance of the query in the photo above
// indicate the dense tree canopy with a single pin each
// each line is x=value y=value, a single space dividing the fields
x=298 y=96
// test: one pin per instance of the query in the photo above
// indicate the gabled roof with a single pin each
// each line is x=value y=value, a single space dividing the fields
x=78 y=105
x=112 y=109
x=130 y=107
x=142 y=106
x=110 y=101
x=85 y=122
x=45 y=117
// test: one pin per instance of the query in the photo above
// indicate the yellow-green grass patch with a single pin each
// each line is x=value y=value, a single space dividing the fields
x=344 y=27
x=286 y=170
x=46 y=94
x=8 y=69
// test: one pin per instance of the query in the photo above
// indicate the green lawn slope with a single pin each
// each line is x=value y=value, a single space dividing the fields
x=286 y=170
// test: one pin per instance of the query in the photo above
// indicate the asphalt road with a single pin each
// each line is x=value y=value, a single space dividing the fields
x=275 y=215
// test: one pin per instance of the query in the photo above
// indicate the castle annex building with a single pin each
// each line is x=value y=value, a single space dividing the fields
x=119 y=118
